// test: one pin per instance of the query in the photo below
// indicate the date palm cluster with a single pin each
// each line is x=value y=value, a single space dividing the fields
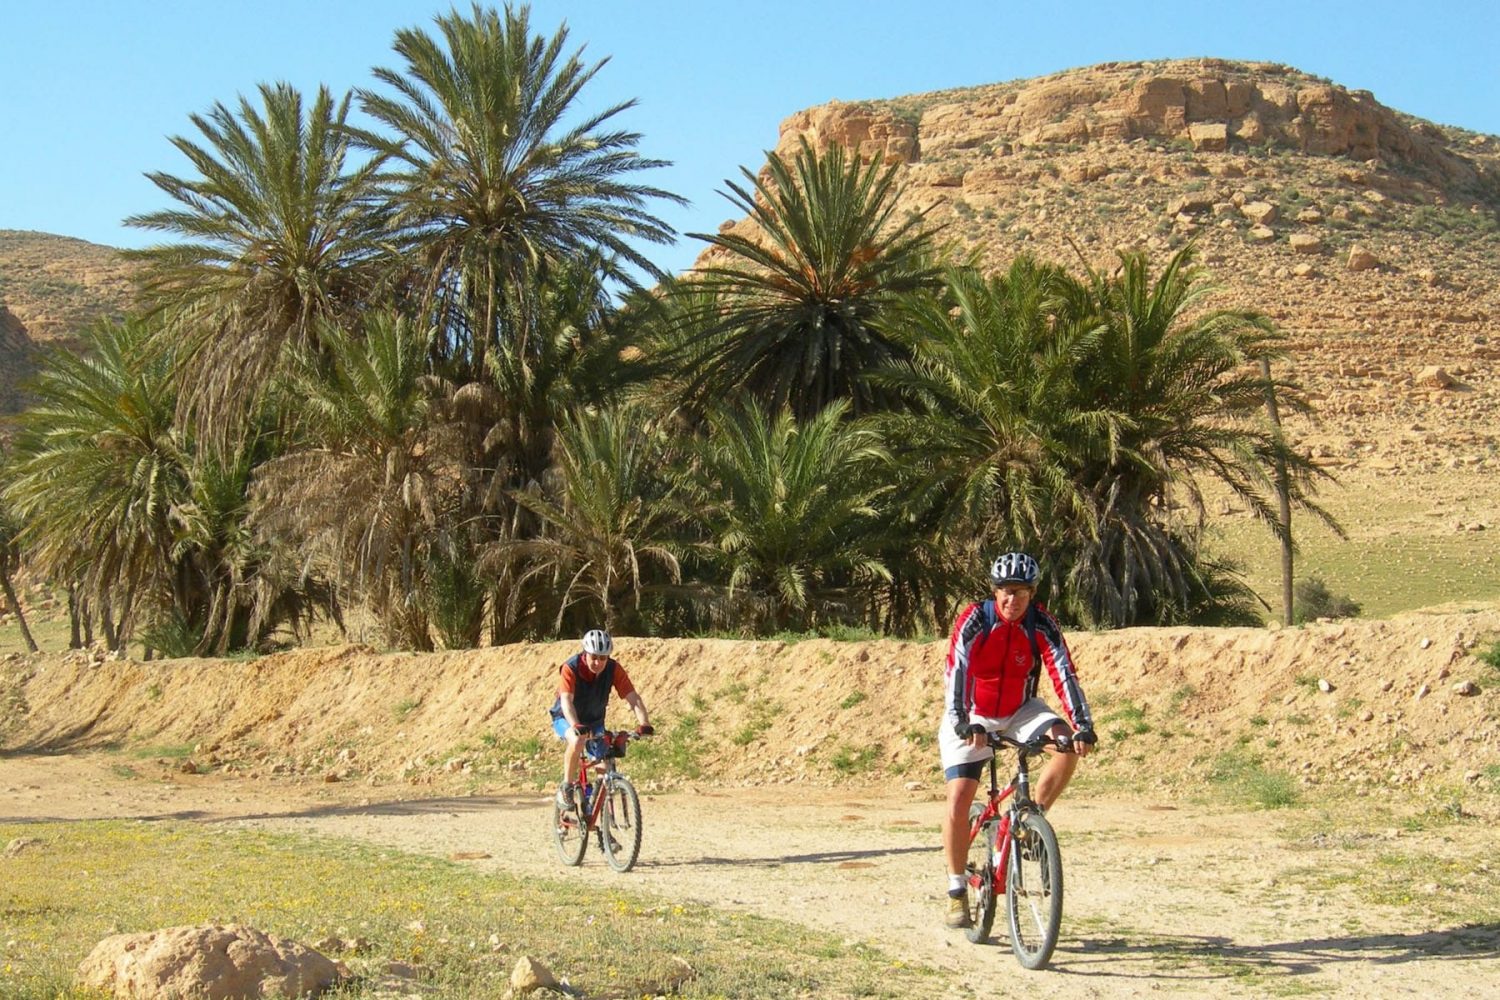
x=406 y=353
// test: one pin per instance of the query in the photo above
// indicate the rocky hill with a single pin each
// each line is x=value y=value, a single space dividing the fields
x=17 y=359
x=51 y=288
x=1372 y=238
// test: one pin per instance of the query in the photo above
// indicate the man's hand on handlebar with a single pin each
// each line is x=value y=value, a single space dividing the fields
x=1083 y=742
x=972 y=733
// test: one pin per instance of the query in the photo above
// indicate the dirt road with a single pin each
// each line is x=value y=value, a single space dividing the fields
x=1177 y=899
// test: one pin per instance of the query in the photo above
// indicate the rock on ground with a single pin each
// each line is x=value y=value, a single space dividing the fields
x=210 y=962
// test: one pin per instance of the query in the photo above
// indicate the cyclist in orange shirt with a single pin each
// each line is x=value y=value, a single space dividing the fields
x=583 y=689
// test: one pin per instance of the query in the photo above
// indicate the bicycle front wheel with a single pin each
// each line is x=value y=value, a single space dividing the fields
x=620 y=825
x=1034 y=890
x=570 y=833
x=979 y=872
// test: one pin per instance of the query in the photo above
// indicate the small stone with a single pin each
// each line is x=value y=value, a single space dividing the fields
x=1467 y=689
x=1422 y=692
x=530 y=975
x=1425 y=643
x=1325 y=685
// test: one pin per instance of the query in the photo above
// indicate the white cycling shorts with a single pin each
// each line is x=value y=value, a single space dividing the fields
x=1033 y=717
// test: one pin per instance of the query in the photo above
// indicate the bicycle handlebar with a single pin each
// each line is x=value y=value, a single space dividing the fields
x=1035 y=745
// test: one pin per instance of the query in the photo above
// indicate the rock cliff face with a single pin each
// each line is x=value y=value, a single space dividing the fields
x=1370 y=237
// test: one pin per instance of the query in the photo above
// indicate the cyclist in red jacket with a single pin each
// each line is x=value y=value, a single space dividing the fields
x=583 y=688
x=995 y=658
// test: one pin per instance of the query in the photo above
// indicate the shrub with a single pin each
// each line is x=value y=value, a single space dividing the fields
x=1490 y=656
x=1311 y=599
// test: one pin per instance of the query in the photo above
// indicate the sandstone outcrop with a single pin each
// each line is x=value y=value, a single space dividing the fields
x=212 y=962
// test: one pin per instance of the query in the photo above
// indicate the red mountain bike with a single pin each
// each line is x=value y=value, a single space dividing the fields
x=1013 y=853
x=605 y=803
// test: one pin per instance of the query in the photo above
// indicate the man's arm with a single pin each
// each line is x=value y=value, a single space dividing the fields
x=638 y=706
x=565 y=702
x=1059 y=662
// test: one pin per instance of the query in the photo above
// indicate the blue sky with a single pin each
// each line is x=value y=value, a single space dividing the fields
x=91 y=89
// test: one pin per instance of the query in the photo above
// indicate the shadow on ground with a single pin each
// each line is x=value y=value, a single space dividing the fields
x=1201 y=958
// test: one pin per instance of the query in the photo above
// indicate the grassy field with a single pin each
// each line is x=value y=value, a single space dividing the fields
x=1404 y=551
x=462 y=930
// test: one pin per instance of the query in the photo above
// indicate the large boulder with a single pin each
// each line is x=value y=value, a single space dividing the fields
x=209 y=962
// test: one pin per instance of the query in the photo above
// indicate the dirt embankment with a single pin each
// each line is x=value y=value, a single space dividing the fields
x=1378 y=703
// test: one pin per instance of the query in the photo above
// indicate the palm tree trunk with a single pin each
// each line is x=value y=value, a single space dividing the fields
x=1283 y=493
x=75 y=638
x=482 y=342
x=10 y=597
x=107 y=621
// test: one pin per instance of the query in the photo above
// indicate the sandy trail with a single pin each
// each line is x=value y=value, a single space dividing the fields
x=1183 y=899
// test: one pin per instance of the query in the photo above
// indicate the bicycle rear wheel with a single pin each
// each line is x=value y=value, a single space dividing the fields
x=980 y=875
x=569 y=832
x=620 y=825
x=1034 y=890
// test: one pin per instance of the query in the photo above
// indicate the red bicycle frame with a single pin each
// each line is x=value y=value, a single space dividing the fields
x=1002 y=840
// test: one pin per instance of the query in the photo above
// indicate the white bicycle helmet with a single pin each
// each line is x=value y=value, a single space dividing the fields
x=598 y=642
x=1015 y=567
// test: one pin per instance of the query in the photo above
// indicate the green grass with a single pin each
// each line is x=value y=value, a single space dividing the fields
x=177 y=751
x=670 y=754
x=762 y=715
x=1490 y=657
x=463 y=929
x=852 y=699
x=1179 y=698
x=1385 y=571
x=1123 y=720
x=404 y=708
x=1240 y=775
x=853 y=760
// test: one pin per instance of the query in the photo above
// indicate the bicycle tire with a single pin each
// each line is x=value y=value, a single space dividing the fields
x=569 y=833
x=620 y=825
x=1034 y=890
x=980 y=875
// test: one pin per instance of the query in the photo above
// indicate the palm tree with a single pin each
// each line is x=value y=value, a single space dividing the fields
x=278 y=231
x=362 y=492
x=788 y=513
x=1187 y=396
x=497 y=176
x=797 y=306
x=98 y=469
x=986 y=444
x=608 y=536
